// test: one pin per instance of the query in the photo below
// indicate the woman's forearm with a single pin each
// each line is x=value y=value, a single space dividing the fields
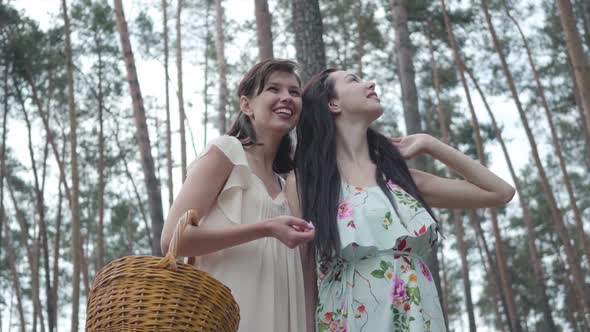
x=202 y=240
x=471 y=170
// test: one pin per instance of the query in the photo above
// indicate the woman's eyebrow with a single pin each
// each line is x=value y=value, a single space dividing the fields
x=351 y=75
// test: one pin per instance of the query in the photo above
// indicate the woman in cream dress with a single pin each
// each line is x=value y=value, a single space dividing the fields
x=247 y=238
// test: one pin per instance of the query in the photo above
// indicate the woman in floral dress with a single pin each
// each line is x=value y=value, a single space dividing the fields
x=371 y=212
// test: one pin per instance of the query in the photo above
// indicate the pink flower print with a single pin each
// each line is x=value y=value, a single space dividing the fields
x=355 y=245
x=425 y=271
x=398 y=292
x=351 y=224
x=345 y=209
x=421 y=231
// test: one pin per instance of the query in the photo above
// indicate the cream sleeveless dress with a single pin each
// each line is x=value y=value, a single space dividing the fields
x=264 y=275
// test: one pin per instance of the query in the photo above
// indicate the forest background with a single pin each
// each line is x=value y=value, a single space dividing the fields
x=93 y=149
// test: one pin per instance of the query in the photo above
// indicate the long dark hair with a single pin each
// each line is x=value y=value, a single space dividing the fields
x=252 y=85
x=318 y=179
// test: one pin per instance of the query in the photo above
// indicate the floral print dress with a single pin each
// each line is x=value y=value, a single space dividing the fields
x=379 y=281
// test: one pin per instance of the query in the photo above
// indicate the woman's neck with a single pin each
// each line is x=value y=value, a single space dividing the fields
x=352 y=146
x=263 y=153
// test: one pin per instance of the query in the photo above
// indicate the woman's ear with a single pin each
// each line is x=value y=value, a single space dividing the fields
x=245 y=107
x=334 y=106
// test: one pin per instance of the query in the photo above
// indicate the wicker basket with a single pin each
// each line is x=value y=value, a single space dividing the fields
x=145 y=293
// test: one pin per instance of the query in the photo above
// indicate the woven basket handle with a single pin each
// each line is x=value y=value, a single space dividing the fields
x=189 y=217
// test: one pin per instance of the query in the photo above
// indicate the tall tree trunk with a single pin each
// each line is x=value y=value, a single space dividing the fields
x=488 y=266
x=181 y=114
x=101 y=165
x=464 y=268
x=143 y=139
x=2 y=156
x=206 y=81
x=583 y=240
x=444 y=128
x=56 y=246
x=130 y=231
x=263 y=29
x=75 y=205
x=3 y=151
x=504 y=274
x=578 y=99
x=583 y=7
x=39 y=204
x=21 y=217
x=74 y=201
x=405 y=62
x=445 y=289
x=404 y=52
x=576 y=53
x=309 y=37
x=167 y=85
x=15 y=278
x=221 y=66
x=135 y=191
x=48 y=287
x=573 y=261
x=526 y=215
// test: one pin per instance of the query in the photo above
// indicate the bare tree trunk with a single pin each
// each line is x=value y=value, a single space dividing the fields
x=263 y=29
x=309 y=37
x=221 y=65
x=30 y=249
x=135 y=191
x=39 y=200
x=142 y=135
x=464 y=268
x=445 y=289
x=206 y=83
x=576 y=54
x=571 y=306
x=130 y=231
x=405 y=61
x=45 y=238
x=444 y=128
x=557 y=146
x=75 y=205
x=488 y=266
x=530 y=227
x=573 y=261
x=54 y=290
x=15 y=278
x=167 y=85
x=583 y=119
x=181 y=114
x=101 y=166
x=3 y=152
x=587 y=21
x=494 y=278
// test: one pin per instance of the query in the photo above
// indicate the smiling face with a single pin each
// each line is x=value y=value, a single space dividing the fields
x=355 y=98
x=278 y=105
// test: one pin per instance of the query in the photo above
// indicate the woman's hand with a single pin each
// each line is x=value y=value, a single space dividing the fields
x=412 y=145
x=291 y=231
